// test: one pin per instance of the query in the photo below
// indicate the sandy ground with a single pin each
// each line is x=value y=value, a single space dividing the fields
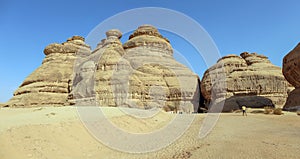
x=57 y=132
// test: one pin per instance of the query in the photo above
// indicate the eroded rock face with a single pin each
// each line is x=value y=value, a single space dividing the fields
x=141 y=73
x=156 y=78
x=50 y=84
x=107 y=57
x=248 y=78
x=291 y=71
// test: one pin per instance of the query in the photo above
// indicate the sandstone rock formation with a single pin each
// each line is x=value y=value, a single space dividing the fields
x=156 y=76
x=51 y=82
x=248 y=79
x=291 y=71
x=141 y=73
x=105 y=57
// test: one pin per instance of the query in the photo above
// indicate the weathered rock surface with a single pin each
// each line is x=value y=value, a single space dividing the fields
x=291 y=71
x=50 y=83
x=156 y=78
x=293 y=101
x=141 y=73
x=105 y=57
x=248 y=79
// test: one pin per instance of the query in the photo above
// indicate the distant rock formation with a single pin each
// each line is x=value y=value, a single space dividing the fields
x=291 y=71
x=2 y=105
x=251 y=80
x=50 y=83
x=141 y=73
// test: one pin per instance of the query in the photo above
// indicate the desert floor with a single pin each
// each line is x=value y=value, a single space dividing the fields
x=58 y=133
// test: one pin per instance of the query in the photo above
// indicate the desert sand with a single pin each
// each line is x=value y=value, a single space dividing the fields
x=57 y=132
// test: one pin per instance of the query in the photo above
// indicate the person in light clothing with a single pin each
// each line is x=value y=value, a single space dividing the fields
x=244 y=110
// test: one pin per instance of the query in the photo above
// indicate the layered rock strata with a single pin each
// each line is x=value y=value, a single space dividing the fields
x=248 y=79
x=141 y=73
x=50 y=83
x=156 y=78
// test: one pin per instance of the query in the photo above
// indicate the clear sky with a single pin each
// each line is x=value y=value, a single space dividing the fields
x=268 y=27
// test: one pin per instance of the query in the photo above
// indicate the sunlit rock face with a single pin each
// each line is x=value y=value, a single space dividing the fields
x=141 y=73
x=50 y=83
x=291 y=71
x=248 y=79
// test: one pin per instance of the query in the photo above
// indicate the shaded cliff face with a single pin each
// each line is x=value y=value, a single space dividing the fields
x=291 y=71
x=141 y=73
x=251 y=80
x=50 y=83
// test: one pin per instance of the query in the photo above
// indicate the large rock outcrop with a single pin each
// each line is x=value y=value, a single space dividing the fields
x=105 y=58
x=50 y=83
x=291 y=71
x=140 y=73
x=156 y=76
x=248 y=79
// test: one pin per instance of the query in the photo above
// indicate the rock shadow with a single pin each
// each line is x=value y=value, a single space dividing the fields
x=236 y=102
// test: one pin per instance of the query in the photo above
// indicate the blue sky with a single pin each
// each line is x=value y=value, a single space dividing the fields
x=264 y=26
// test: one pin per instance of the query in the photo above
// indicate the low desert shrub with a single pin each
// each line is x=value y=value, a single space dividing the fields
x=268 y=110
x=277 y=111
x=166 y=108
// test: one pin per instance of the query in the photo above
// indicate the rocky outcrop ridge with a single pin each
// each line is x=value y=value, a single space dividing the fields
x=50 y=83
x=291 y=71
x=248 y=79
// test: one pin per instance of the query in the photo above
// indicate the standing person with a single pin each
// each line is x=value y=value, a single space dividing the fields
x=244 y=110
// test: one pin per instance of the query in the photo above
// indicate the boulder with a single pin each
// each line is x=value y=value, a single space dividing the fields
x=293 y=101
x=291 y=71
x=51 y=83
x=249 y=79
